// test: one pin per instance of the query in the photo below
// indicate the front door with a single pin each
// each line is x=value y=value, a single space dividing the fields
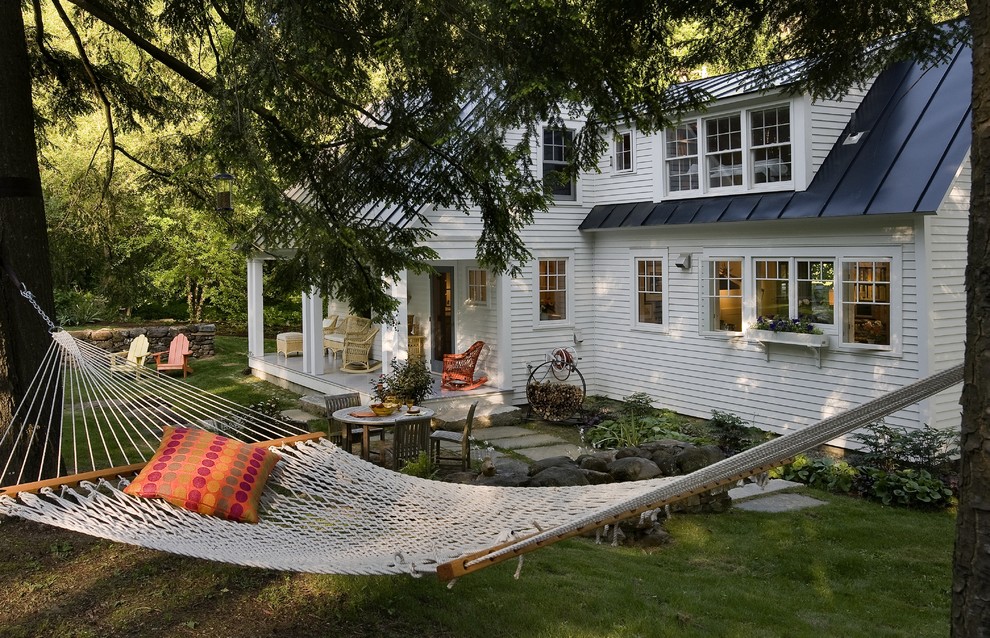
x=441 y=315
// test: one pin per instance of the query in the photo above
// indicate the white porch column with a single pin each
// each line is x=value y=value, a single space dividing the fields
x=255 y=308
x=503 y=295
x=312 y=316
x=395 y=341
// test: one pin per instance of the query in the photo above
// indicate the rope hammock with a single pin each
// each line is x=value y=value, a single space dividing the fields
x=324 y=510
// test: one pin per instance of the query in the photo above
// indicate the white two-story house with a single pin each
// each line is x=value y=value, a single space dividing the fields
x=851 y=212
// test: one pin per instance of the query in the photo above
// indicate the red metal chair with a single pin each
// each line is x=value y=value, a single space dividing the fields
x=458 y=369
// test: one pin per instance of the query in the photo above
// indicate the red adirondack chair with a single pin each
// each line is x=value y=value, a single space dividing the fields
x=178 y=356
x=458 y=369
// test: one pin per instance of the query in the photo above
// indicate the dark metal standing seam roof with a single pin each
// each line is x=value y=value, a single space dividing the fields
x=916 y=131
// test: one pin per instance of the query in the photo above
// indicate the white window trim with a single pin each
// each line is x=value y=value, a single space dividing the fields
x=569 y=279
x=488 y=287
x=896 y=301
x=632 y=152
x=574 y=127
x=799 y=151
x=889 y=253
x=634 y=259
x=747 y=286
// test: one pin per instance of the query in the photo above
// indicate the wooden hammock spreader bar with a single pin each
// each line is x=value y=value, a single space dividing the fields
x=126 y=470
x=457 y=568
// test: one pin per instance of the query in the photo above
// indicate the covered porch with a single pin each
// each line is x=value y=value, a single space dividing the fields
x=444 y=312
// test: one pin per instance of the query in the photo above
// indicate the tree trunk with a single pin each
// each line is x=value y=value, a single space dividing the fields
x=23 y=235
x=971 y=569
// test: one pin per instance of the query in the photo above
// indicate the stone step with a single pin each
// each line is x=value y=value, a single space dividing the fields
x=298 y=417
x=548 y=451
x=780 y=502
x=752 y=490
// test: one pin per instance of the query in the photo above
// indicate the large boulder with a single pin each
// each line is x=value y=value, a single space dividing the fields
x=553 y=461
x=592 y=463
x=633 y=468
x=559 y=476
x=695 y=458
x=665 y=461
x=598 y=478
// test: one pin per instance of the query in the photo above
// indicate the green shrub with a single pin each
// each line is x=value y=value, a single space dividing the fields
x=911 y=488
x=889 y=448
x=638 y=422
x=75 y=307
x=824 y=473
x=731 y=432
x=422 y=467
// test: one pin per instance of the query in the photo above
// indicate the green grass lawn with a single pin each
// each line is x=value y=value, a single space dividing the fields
x=849 y=568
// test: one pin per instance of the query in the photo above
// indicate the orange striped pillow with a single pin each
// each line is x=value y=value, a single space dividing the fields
x=206 y=473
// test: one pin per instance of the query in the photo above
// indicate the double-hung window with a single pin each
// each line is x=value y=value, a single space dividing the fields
x=478 y=286
x=725 y=295
x=553 y=289
x=770 y=144
x=738 y=150
x=723 y=151
x=557 y=149
x=623 y=160
x=649 y=291
x=866 y=301
x=681 y=163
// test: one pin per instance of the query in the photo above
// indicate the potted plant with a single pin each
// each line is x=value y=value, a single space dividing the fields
x=409 y=381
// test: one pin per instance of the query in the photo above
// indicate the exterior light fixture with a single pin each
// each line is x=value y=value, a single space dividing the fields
x=225 y=182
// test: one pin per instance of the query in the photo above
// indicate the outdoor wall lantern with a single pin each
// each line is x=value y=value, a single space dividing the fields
x=225 y=182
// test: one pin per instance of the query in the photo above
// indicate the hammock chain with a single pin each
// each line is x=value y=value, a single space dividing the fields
x=27 y=294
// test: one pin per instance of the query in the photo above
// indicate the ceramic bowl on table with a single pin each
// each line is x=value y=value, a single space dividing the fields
x=383 y=409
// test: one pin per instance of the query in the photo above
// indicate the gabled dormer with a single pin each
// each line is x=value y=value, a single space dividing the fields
x=744 y=141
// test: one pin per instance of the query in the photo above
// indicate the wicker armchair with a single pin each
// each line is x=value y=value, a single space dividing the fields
x=336 y=335
x=357 y=352
x=458 y=369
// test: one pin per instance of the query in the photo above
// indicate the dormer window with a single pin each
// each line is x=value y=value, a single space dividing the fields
x=557 y=145
x=770 y=132
x=740 y=150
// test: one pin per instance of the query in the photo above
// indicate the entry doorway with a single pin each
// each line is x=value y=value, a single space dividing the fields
x=441 y=315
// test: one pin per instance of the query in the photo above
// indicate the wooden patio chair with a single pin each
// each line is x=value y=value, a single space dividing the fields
x=410 y=438
x=356 y=355
x=340 y=433
x=178 y=354
x=131 y=359
x=458 y=369
x=463 y=438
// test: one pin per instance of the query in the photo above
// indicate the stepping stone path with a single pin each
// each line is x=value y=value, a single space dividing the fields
x=537 y=446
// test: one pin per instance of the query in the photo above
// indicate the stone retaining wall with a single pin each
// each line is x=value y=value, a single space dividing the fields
x=200 y=337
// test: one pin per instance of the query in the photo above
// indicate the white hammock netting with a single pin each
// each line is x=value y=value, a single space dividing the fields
x=325 y=510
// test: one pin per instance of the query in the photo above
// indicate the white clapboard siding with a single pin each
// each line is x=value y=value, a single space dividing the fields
x=608 y=187
x=694 y=374
x=828 y=119
x=946 y=240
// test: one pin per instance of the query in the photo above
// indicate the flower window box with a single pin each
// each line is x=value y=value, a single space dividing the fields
x=814 y=342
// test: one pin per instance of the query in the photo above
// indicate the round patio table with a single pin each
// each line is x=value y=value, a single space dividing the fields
x=354 y=416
